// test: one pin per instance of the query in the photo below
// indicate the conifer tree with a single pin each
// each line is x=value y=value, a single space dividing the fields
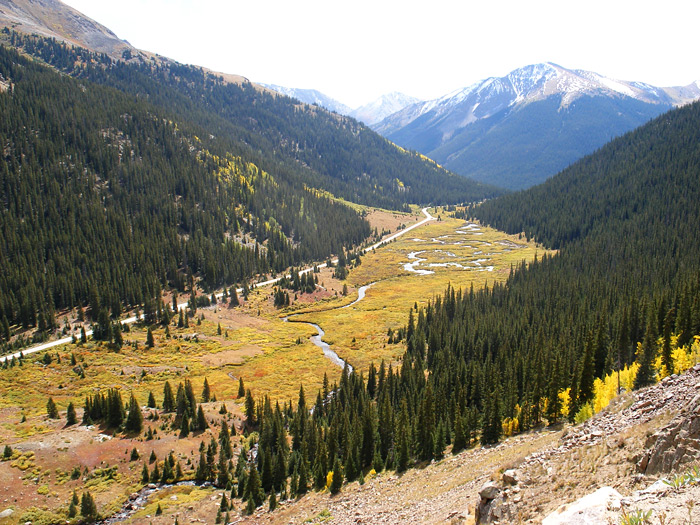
x=150 y=343
x=151 y=400
x=646 y=375
x=71 y=417
x=51 y=409
x=206 y=392
x=250 y=409
x=202 y=424
x=254 y=493
x=337 y=481
x=155 y=474
x=134 y=419
x=88 y=508
x=666 y=351
x=185 y=427
x=222 y=472
x=241 y=388
x=460 y=442
x=168 y=399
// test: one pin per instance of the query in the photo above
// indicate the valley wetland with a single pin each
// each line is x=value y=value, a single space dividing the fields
x=254 y=342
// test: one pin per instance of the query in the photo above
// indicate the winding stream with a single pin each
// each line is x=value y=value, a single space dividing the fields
x=318 y=338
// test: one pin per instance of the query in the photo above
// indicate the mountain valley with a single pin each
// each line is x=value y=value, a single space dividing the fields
x=227 y=302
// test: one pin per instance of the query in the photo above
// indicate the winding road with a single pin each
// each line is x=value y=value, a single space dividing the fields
x=133 y=319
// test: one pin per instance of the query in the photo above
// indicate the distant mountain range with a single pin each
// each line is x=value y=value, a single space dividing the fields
x=384 y=106
x=311 y=96
x=370 y=113
x=518 y=130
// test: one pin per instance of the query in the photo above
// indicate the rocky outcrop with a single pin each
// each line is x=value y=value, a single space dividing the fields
x=497 y=502
x=593 y=509
x=675 y=445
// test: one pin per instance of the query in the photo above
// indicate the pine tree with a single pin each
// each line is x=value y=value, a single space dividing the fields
x=145 y=475
x=250 y=409
x=51 y=409
x=185 y=427
x=206 y=392
x=254 y=492
x=666 y=351
x=241 y=388
x=222 y=472
x=151 y=400
x=459 y=443
x=88 y=508
x=71 y=417
x=168 y=399
x=155 y=474
x=150 y=343
x=646 y=375
x=202 y=424
x=337 y=481
x=134 y=419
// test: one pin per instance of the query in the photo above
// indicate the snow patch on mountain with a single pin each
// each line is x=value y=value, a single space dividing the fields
x=311 y=96
x=522 y=86
x=382 y=107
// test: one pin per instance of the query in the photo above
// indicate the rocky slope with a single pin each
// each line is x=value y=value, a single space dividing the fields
x=52 y=18
x=528 y=477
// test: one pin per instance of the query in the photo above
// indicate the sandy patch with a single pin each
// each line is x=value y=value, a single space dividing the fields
x=385 y=220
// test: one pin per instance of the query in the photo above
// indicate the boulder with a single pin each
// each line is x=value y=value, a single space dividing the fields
x=6 y=513
x=588 y=510
x=489 y=490
x=510 y=477
x=678 y=443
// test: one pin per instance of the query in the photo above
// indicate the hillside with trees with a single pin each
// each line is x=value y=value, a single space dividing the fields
x=106 y=201
x=305 y=145
x=121 y=179
x=623 y=292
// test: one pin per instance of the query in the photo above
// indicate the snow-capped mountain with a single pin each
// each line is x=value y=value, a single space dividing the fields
x=519 y=129
x=381 y=108
x=311 y=96
x=369 y=114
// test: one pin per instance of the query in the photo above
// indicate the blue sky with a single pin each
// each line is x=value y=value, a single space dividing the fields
x=356 y=51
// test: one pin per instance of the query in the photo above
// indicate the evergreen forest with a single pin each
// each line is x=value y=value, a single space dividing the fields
x=122 y=179
x=623 y=288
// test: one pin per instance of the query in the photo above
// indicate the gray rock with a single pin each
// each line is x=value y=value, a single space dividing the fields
x=588 y=510
x=6 y=513
x=489 y=490
x=510 y=477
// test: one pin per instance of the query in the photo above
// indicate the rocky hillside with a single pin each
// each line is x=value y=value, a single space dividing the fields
x=52 y=18
x=548 y=476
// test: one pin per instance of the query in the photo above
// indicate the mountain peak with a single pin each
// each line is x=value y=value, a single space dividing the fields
x=51 y=18
x=379 y=109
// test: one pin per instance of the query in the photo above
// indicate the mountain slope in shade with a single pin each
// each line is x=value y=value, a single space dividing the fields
x=379 y=109
x=311 y=96
x=518 y=130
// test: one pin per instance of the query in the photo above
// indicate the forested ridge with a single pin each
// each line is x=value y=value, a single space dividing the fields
x=106 y=201
x=305 y=145
x=623 y=288
x=121 y=178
